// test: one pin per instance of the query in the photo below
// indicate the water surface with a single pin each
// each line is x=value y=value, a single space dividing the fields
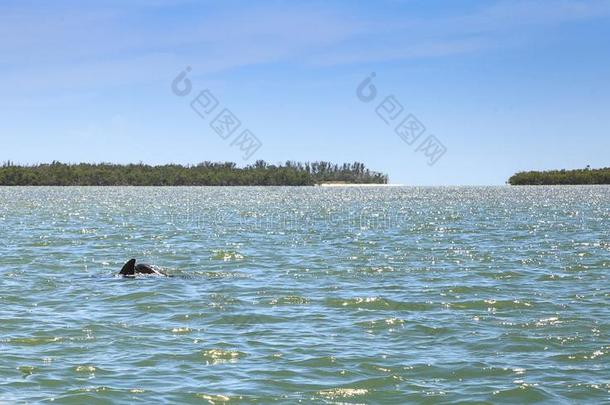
x=374 y=295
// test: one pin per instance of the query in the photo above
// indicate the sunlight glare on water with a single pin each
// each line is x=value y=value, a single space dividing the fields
x=374 y=295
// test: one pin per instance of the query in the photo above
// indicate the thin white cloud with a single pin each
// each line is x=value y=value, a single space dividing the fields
x=67 y=49
x=428 y=49
x=507 y=14
x=490 y=26
x=67 y=46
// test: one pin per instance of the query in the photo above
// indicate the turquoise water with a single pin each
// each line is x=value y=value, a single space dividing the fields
x=375 y=295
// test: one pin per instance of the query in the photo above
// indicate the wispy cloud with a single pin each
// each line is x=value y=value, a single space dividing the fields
x=511 y=14
x=424 y=49
x=489 y=26
x=97 y=47
x=75 y=45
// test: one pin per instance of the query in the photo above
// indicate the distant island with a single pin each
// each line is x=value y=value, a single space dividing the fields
x=203 y=174
x=562 y=177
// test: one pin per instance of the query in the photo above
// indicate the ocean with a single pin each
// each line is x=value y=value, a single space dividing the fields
x=320 y=295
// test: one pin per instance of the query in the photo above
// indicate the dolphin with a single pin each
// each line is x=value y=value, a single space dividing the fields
x=130 y=269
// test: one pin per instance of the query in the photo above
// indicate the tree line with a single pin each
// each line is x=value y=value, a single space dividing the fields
x=555 y=177
x=203 y=174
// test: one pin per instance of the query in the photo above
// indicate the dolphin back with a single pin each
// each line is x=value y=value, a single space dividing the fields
x=142 y=268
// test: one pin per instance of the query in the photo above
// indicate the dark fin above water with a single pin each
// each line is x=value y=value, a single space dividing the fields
x=129 y=269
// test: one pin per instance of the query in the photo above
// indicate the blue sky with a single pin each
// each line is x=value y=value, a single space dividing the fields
x=503 y=85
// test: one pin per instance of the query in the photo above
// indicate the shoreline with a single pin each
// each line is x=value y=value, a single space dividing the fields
x=207 y=173
x=339 y=185
x=563 y=177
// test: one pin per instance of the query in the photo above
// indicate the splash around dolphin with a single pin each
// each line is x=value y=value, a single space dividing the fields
x=131 y=270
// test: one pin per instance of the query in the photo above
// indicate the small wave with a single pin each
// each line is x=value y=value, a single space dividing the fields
x=85 y=369
x=490 y=303
x=248 y=319
x=342 y=393
x=35 y=341
x=216 y=399
x=27 y=370
x=220 y=356
x=434 y=330
x=227 y=256
x=523 y=393
x=95 y=394
x=185 y=275
x=382 y=324
x=317 y=362
x=583 y=356
x=181 y=331
x=377 y=303
x=290 y=300
x=375 y=271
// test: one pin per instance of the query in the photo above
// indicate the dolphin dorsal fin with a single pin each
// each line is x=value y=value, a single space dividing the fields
x=129 y=269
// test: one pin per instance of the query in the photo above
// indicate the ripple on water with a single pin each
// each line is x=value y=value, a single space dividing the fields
x=34 y=341
x=290 y=300
x=483 y=295
x=343 y=393
x=220 y=356
x=377 y=303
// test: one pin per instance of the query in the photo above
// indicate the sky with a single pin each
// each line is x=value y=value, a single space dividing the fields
x=478 y=89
